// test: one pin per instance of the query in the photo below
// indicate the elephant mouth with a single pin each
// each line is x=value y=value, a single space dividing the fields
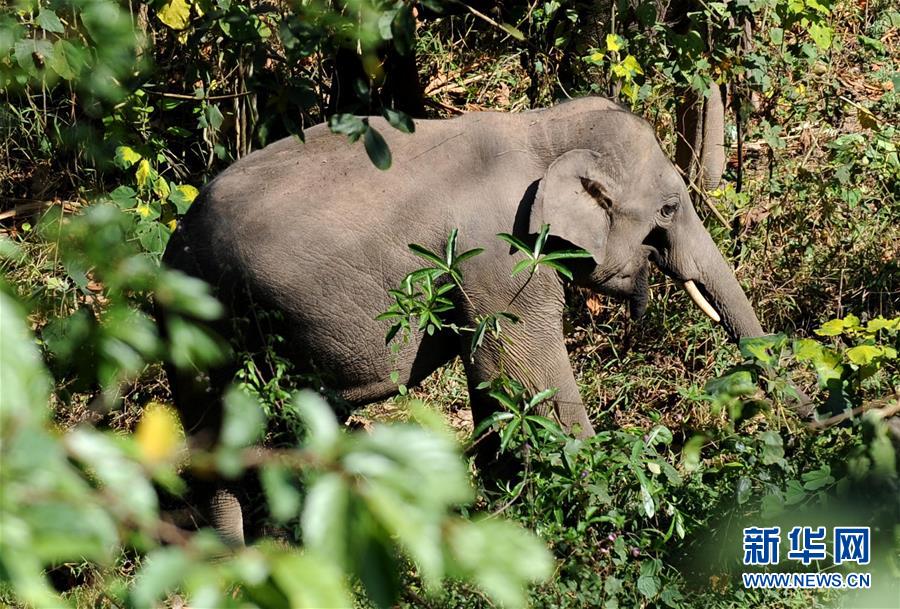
x=632 y=287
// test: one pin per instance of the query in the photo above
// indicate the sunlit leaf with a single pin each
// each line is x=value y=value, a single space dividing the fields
x=126 y=157
x=159 y=434
x=613 y=42
x=862 y=355
x=322 y=426
x=142 y=175
x=175 y=13
x=182 y=196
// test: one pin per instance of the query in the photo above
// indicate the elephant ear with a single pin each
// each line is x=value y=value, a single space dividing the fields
x=575 y=197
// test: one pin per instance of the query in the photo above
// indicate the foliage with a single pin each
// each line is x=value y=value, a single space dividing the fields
x=118 y=109
x=628 y=495
x=84 y=494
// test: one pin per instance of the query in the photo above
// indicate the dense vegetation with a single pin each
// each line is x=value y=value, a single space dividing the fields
x=114 y=114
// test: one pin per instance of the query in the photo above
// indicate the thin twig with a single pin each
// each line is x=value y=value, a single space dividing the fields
x=31 y=206
x=202 y=98
x=700 y=195
x=883 y=407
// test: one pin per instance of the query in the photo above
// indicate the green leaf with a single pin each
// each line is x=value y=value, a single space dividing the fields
x=153 y=236
x=142 y=175
x=772 y=447
x=348 y=124
x=765 y=349
x=816 y=479
x=123 y=477
x=559 y=268
x=126 y=157
x=323 y=429
x=281 y=495
x=822 y=35
x=500 y=557
x=48 y=20
x=310 y=581
x=564 y=254
x=835 y=327
x=551 y=426
x=243 y=422
x=178 y=292
x=403 y=30
x=648 y=585
x=421 y=252
x=399 y=120
x=163 y=570
x=26 y=384
x=880 y=323
x=213 y=118
x=647 y=501
x=468 y=254
x=522 y=265
x=182 y=196
x=377 y=149
x=516 y=243
x=744 y=488
x=659 y=434
x=513 y=31
x=542 y=396
x=30 y=53
x=862 y=355
x=175 y=13
x=776 y=35
x=325 y=519
x=124 y=197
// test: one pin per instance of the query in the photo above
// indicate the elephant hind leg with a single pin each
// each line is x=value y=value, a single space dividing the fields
x=700 y=149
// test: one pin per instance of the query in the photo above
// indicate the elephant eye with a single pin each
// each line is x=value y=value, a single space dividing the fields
x=668 y=210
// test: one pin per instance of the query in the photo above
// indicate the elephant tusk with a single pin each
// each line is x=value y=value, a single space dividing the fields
x=691 y=288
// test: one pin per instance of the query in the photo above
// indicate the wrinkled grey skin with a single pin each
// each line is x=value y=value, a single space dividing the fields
x=700 y=143
x=316 y=232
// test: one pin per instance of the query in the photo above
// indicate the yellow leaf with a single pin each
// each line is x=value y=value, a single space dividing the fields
x=172 y=224
x=126 y=157
x=161 y=188
x=143 y=210
x=143 y=173
x=596 y=57
x=175 y=14
x=632 y=64
x=834 y=327
x=613 y=42
x=866 y=119
x=159 y=434
x=188 y=192
x=880 y=323
x=851 y=321
x=864 y=354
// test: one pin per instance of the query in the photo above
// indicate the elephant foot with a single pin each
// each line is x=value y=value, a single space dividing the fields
x=227 y=517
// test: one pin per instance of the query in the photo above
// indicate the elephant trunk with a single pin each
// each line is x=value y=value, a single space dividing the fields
x=695 y=260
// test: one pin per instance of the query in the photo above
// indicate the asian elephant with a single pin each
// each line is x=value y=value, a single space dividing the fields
x=314 y=231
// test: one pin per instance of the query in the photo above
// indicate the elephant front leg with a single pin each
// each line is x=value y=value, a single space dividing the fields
x=536 y=364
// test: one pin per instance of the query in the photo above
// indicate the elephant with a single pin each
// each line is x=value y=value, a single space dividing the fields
x=315 y=232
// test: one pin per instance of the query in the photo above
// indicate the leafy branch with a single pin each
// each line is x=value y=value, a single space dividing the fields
x=535 y=256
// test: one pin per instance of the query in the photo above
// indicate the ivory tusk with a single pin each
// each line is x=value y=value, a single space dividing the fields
x=691 y=288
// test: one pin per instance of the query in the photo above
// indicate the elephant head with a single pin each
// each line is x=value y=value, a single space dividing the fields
x=625 y=203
